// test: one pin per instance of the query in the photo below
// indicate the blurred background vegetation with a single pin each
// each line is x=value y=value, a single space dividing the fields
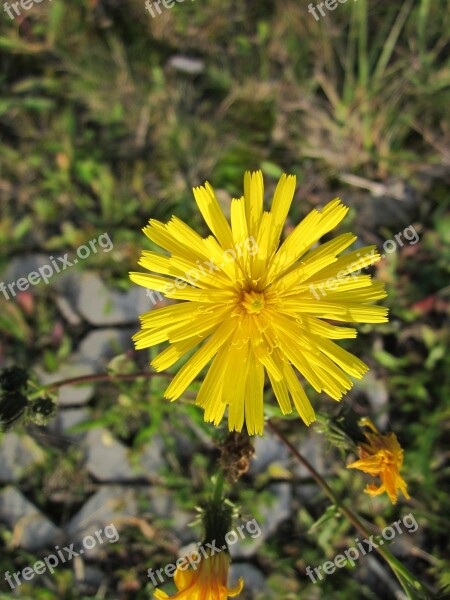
x=108 y=117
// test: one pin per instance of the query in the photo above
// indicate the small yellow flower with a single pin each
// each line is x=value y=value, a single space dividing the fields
x=207 y=582
x=381 y=456
x=257 y=305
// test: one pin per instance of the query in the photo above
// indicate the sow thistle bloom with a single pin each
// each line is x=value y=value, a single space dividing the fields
x=254 y=307
x=207 y=582
x=206 y=579
x=381 y=456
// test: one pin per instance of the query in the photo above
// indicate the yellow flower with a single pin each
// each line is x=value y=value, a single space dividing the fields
x=382 y=457
x=208 y=582
x=257 y=305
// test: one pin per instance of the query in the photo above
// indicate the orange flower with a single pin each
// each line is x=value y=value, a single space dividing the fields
x=207 y=582
x=381 y=456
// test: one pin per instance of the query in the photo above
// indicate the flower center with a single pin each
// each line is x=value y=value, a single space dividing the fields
x=253 y=302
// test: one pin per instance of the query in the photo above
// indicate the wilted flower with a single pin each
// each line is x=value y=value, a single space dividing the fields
x=12 y=407
x=256 y=305
x=13 y=379
x=381 y=456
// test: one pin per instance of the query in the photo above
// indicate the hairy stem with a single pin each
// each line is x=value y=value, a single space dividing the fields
x=406 y=579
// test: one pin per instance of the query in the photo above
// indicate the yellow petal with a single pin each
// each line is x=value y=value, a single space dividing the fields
x=353 y=261
x=315 y=225
x=254 y=409
x=301 y=402
x=237 y=589
x=239 y=221
x=152 y=282
x=234 y=386
x=281 y=392
x=199 y=360
x=173 y=353
x=324 y=329
x=213 y=215
x=282 y=200
x=348 y=362
x=254 y=199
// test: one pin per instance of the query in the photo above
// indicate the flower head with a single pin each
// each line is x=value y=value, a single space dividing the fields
x=208 y=581
x=257 y=306
x=381 y=456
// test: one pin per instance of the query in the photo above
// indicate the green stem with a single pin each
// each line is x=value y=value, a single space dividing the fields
x=405 y=577
x=218 y=491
